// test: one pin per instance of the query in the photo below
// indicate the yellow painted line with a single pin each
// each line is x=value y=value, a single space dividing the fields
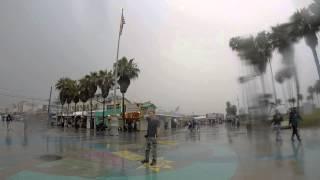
x=167 y=142
x=161 y=164
x=129 y=155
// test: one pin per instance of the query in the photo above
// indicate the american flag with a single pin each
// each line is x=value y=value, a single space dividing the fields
x=122 y=23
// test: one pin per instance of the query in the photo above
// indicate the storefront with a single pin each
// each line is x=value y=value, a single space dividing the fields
x=132 y=120
x=107 y=114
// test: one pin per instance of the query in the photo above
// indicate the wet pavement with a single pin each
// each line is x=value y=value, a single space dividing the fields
x=33 y=151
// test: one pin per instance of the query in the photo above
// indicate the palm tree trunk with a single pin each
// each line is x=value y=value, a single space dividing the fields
x=290 y=89
x=264 y=109
x=91 y=120
x=82 y=108
x=247 y=97
x=62 y=113
x=83 y=114
x=74 y=117
x=296 y=79
x=316 y=59
x=262 y=84
x=123 y=112
x=284 y=95
x=273 y=84
x=312 y=99
x=104 y=104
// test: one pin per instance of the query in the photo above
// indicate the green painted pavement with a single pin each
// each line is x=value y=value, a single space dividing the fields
x=219 y=171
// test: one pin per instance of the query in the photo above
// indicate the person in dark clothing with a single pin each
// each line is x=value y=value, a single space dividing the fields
x=9 y=118
x=151 y=136
x=276 y=121
x=294 y=119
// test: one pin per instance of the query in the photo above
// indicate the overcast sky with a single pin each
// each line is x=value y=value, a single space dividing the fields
x=181 y=46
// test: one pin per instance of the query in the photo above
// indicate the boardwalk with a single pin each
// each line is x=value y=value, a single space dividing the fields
x=36 y=152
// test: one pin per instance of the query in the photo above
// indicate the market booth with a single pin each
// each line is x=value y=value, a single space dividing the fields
x=132 y=120
x=107 y=114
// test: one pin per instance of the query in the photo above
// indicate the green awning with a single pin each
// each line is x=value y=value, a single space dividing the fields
x=108 y=112
x=148 y=105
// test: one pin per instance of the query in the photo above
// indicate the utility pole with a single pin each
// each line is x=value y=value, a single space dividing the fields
x=238 y=102
x=49 y=105
x=122 y=22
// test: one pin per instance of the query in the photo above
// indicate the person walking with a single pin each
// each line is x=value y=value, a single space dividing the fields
x=9 y=118
x=294 y=119
x=276 y=121
x=151 y=136
x=189 y=125
x=237 y=122
x=198 y=126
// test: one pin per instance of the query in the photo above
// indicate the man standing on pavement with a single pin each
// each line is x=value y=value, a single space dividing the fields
x=294 y=119
x=151 y=136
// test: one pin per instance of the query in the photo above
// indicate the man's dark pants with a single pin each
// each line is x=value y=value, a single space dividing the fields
x=295 y=132
x=151 y=145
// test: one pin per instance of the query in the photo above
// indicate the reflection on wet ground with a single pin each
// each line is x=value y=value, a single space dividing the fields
x=217 y=152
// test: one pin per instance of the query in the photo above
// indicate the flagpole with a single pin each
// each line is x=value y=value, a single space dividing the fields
x=116 y=69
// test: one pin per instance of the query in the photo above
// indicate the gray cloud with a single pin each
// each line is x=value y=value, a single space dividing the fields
x=180 y=46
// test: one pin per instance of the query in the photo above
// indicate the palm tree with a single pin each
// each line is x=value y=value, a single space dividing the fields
x=316 y=88
x=248 y=50
x=292 y=101
x=278 y=101
x=84 y=97
x=309 y=98
x=76 y=95
x=280 y=79
x=305 y=26
x=265 y=48
x=70 y=90
x=283 y=75
x=257 y=52
x=311 y=94
x=228 y=108
x=92 y=89
x=63 y=86
x=305 y=23
x=83 y=92
x=127 y=71
x=300 y=98
x=105 y=82
x=283 y=38
x=63 y=99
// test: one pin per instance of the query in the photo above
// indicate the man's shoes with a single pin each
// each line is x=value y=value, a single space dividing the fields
x=145 y=161
x=153 y=163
